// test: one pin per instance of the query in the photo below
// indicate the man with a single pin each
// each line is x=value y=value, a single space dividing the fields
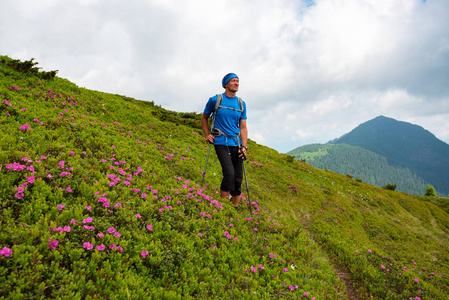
x=229 y=136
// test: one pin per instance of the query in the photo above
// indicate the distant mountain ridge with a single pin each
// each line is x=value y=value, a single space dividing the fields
x=409 y=150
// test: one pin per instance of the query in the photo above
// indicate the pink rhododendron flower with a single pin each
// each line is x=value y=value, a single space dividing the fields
x=416 y=280
x=60 y=206
x=25 y=127
x=5 y=251
x=138 y=216
x=88 y=246
x=144 y=254
x=59 y=229
x=19 y=194
x=110 y=230
x=100 y=248
x=73 y=221
x=68 y=189
x=87 y=220
x=31 y=179
x=52 y=244
x=150 y=227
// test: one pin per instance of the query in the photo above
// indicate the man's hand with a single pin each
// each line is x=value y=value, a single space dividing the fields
x=210 y=138
x=242 y=152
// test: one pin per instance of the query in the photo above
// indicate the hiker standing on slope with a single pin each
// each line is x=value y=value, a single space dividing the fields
x=229 y=135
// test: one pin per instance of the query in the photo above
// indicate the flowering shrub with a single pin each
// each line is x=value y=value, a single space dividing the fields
x=102 y=200
x=25 y=127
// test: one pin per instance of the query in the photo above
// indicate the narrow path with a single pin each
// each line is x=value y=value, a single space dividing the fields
x=345 y=276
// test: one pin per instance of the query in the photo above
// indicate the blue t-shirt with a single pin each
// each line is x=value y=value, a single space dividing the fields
x=227 y=120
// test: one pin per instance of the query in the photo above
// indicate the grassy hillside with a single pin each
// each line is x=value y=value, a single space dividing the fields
x=360 y=163
x=100 y=198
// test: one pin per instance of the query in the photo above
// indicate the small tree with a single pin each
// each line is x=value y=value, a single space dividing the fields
x=430 y=191
x=391 y=187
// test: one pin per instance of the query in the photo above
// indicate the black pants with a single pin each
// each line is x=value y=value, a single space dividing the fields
x=231 y=165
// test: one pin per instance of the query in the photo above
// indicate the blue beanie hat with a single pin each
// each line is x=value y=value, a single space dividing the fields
x=228 y=78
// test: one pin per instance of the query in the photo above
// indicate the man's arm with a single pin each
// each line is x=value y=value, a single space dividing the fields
x=243 y=132
x=243 y=135
x=205 y=126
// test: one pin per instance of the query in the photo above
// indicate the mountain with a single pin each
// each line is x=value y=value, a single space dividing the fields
x=410 y=156
x=100 y=198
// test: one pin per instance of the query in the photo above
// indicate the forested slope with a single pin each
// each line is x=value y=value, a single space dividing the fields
x=362 y=164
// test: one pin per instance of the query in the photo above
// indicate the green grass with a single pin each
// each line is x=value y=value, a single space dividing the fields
x=129 y=164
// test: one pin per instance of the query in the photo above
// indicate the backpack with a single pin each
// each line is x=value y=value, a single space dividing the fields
x=215 y=131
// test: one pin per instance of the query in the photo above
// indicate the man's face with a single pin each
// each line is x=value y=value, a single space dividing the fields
x=233 y=85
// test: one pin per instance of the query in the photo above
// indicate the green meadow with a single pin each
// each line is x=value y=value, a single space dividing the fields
x=100 y=198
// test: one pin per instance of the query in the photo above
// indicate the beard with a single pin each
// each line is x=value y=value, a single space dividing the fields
x=233 y=89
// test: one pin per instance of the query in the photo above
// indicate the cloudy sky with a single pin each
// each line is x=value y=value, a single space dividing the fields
x=310 y=71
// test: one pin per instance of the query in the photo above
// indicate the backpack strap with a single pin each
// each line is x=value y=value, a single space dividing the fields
x=217 y=106
x=218 y=103
x=220 y=99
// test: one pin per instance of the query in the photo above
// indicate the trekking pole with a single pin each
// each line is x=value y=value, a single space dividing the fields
x=247 y=188
x=205 y=167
